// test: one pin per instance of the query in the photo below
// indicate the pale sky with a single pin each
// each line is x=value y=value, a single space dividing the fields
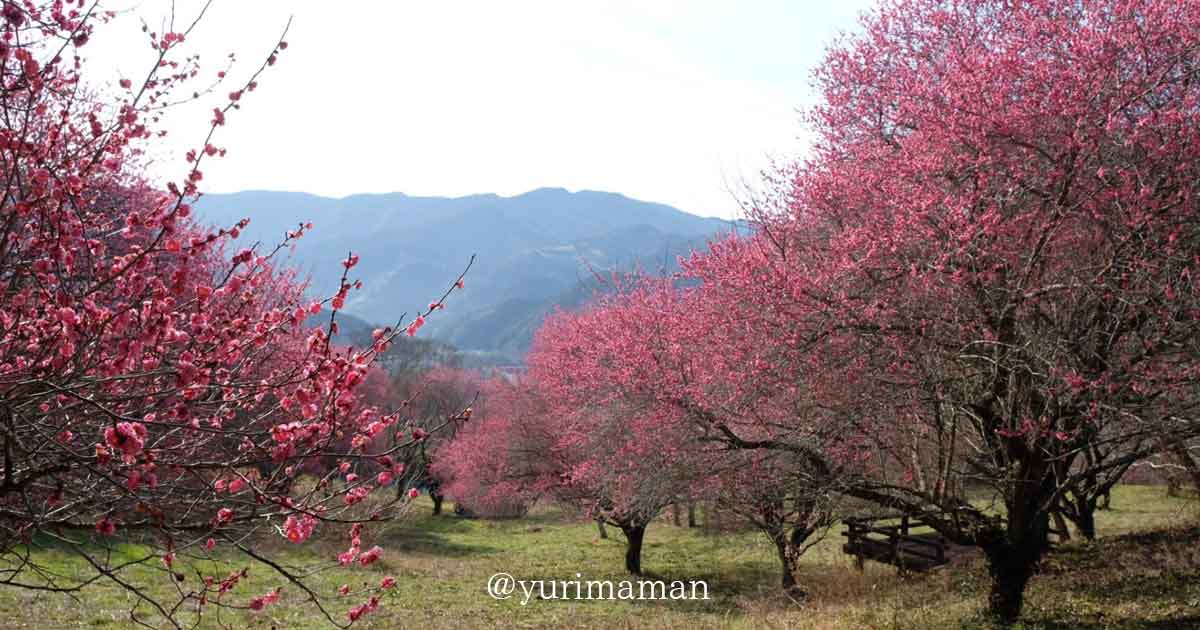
x=680 y=102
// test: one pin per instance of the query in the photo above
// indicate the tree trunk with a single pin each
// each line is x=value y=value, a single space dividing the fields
x=787 y=561
x=788 y=546
x=1060 y=523
x=1086 y=522
x=1010 y=574
x=1189 y=465
x=1178 y=451
x=691 y=514
x=601 y=529
x=633 y=549
x=437 y=502
x=1081 y=509
x=675 y=515
x=1013 y=559
x=1105 y=500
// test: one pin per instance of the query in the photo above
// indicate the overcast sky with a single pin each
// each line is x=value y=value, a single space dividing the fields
x=680 y=102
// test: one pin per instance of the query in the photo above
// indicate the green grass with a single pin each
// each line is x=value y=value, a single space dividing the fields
x=1143 y=573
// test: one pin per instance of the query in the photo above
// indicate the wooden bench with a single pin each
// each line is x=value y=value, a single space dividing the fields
x=869 y=538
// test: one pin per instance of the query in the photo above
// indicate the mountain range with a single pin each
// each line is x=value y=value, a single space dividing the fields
x=534 y=251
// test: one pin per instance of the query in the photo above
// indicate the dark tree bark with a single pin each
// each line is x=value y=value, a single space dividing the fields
x=1188 y=463
x=1010 y=572
x=634 y=534
x=691 y=514
x=787 y=561
x=437 y=502
x=1060 y=526
x=1080 y=508
x=1014 y=557
x=1087 y=522
x=788 y=547
x=600 y=527
x=1091 y=491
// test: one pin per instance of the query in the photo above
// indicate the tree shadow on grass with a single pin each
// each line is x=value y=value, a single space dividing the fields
x=423 y=541
x=724 y=589
x=1177 y=623
x=115 y=549
x=1133 y=572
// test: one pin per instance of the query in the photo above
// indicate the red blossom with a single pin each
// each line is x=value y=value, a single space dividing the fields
x=371 y=555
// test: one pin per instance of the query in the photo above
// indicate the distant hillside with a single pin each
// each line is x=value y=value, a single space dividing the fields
x=533 y=251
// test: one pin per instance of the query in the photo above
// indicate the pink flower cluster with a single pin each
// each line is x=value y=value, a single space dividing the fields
x=298 y=528
x=127 y=437
x=262 y=601
x=358 y=611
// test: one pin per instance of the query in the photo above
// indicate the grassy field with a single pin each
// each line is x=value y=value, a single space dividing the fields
x=1143 y=573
